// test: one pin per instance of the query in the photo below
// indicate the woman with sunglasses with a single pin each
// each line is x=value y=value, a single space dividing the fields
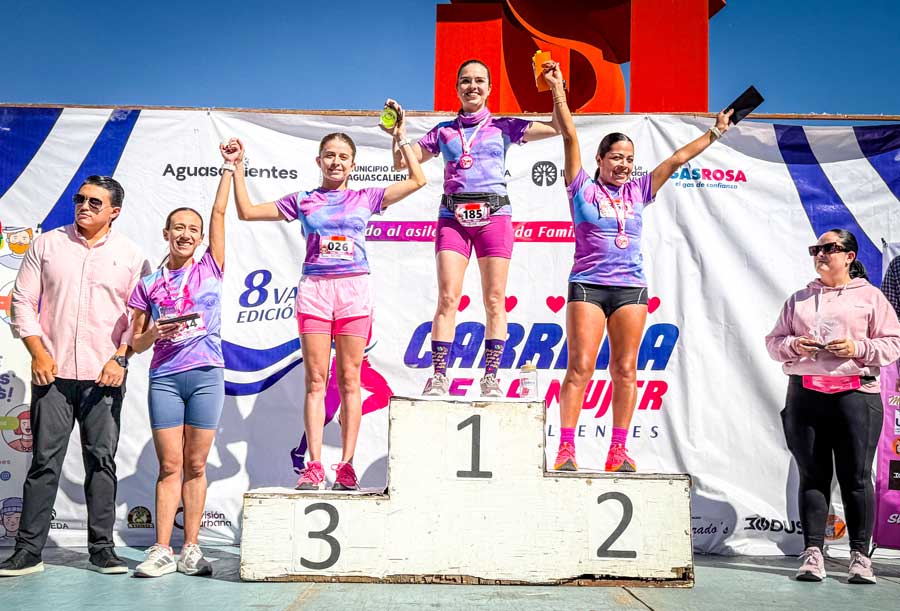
x=475 y=213
x=187 y=383
x=833 y=336
x=335 y=299
x=607 y=287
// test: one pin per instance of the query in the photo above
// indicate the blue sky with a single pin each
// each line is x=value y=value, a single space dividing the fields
x=805 y=56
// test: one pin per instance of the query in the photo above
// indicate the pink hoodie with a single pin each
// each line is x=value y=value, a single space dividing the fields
x=857 y=310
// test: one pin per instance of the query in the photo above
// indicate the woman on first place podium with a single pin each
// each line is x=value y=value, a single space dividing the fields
x=475 y=214
x=607 y=288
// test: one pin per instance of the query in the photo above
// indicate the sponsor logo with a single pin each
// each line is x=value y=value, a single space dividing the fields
x=211 y=519
x=699 y=526
x=56 y=524
x=894 y=475
x=896 y=417
x=895 y=400
x=835 y=528
x=894 y=518
x=544 y=173
x=183 y=172
x=376 y=173
x=896 y=446
x=697 y=177
x=5 y=476
x=140 y=517
x=761 y=524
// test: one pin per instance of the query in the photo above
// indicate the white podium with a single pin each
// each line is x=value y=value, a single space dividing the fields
x=470 y=500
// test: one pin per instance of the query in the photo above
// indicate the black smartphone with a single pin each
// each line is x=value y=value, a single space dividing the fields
x=745 y=103
x=178 y=319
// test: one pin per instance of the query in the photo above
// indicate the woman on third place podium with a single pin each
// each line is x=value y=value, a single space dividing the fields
x=475 y=213
x=607 y=288
x=335 y=299
x=833 y=336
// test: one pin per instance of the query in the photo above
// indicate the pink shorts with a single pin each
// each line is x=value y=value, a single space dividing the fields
x=493 y=240
x=335 y=305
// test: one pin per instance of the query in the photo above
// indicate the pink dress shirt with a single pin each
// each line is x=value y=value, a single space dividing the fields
x=82 y=291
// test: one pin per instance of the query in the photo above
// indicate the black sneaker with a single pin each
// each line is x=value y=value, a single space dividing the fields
x=105 y=561
x=22 y=562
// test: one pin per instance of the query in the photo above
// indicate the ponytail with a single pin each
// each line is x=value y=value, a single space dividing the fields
x=858 y=270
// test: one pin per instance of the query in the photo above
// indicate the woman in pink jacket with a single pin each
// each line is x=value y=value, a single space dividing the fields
x=833 y=336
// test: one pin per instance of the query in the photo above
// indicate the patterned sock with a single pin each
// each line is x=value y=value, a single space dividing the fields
x=567 y=436
x=493 y=350
x=620 y=436
x=440 y=356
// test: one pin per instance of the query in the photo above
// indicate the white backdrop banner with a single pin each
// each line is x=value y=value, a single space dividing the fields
x=725 y=245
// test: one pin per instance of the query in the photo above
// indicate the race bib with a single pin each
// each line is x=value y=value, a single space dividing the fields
x=473 y=214
x=336 y=247
x=196 y=327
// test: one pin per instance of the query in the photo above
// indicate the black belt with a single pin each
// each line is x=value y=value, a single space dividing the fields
x=493 y=200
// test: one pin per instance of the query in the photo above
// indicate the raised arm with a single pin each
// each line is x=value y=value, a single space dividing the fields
x=680 y=157
x=562 y=118
x=397 y=191
x=246 y=210
x=420 y=154
x=231 y=153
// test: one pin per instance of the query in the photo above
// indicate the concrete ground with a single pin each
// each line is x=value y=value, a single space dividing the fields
x=731 y=583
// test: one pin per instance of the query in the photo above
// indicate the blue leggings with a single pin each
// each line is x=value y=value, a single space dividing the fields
x=193 y=397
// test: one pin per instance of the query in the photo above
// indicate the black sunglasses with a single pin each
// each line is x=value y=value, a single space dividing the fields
x=94 y=203
x=829 y=248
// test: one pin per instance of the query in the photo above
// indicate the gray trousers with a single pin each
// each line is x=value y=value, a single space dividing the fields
x=54 y=410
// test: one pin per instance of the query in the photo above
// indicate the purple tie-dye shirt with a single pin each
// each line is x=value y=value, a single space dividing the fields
x=597 y=258
x=203 y=295
x=488 y=173
x=333 y=224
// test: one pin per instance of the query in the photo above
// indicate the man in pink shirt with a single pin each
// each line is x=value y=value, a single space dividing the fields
x=69 y=308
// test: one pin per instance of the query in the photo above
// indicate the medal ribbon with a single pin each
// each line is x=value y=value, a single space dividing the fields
x=182 y=293
x=467 y=144
x=619 y=221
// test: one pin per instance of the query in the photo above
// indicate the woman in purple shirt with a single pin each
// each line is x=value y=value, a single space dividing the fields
x=187 y=383
x=475 y=213
x=334 y=298
x=607 y=289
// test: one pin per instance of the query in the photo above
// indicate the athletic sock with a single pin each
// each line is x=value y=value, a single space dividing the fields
x=619 y=436
x=493 y=350
x=567 y=436
x=440 y=356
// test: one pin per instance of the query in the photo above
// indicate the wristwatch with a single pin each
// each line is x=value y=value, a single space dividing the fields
x=121 y=360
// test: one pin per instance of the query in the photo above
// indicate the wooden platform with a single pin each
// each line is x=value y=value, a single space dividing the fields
x=470 y=501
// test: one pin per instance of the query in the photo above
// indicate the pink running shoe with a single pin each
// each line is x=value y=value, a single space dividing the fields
x=312 y=477
x=618 y=460
x=565 y=458
x=813 y=565
x=345 y=477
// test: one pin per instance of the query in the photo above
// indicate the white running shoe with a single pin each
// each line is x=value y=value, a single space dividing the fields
x=860 y=569
x=160 y=561
x=490 y=387
x=813 y=566
x=192 y=561
x=437 y=386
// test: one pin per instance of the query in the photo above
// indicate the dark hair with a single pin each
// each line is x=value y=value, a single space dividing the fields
x=116 y=192
x=606 y=144
x=473 y=61
x=183 y=209
x=848 y=241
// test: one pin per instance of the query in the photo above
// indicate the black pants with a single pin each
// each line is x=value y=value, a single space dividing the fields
x=834 y=433
x=54 y=410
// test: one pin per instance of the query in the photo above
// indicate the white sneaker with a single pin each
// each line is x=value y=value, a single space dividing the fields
x=813 y=566
x=490 y=387
x=437 y=386
x=192 y=561
x=860 y=569
x=160 y=561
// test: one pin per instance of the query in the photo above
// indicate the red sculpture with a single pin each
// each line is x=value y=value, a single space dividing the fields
x=666 y=41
